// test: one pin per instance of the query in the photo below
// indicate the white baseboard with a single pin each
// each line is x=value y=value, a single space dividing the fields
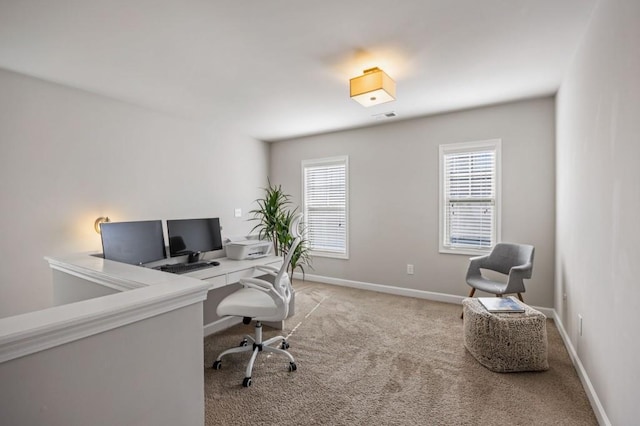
x=400 y=291
x=381 y=288
x=221 y=324
x=597 y=407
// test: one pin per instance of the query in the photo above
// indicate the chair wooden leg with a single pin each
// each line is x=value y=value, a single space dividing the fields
x=471 y=293
x=520 y=297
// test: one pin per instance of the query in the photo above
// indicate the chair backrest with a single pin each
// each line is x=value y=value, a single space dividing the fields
x=283 y=281
x=504 y=256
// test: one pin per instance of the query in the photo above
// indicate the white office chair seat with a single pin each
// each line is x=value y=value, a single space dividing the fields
x=252 y=303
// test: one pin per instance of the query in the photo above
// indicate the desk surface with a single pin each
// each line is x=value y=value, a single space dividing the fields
x=231 y=271
x=230 y=266
x=122 y=276
x=97 y=273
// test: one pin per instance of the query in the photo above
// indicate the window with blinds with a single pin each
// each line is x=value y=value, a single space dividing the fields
x=469 y=202
x=325 y=206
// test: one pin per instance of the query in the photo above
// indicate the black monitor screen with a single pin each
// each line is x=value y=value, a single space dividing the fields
x=133 y=242
x=189 y=236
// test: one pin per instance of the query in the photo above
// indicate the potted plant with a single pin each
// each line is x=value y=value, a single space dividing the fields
x=274 y=216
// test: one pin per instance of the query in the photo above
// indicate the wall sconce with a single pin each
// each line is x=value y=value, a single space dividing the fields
x=374 y=87
x=101 y=219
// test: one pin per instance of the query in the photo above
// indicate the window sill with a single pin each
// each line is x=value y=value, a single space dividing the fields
x=329 y=255
x=464 y=251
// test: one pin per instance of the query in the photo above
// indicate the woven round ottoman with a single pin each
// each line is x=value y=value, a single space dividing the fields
x=506 y=342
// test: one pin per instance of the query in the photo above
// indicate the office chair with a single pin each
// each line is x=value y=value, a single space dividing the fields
x=513 y=260
x=262 y=300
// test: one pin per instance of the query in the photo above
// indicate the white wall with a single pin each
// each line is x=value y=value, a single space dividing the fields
x=69 y=156
x=598 y=200
x=394 y=194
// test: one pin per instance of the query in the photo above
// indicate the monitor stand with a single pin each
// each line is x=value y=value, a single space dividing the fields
x=194 y=257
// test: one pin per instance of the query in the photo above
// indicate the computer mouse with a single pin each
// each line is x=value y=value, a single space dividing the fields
x=214 y=263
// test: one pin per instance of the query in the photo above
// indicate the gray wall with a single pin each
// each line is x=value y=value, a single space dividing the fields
x=393 y=172
x=598 y=188
x=69 y=156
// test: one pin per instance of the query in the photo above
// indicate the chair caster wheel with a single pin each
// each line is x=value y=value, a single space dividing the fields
x=284 y=345
x=244 y=342
x=216 y=365
x=292 y=366
x=246 y=382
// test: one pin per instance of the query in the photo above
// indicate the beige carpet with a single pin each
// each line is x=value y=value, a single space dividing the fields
x=372 y=358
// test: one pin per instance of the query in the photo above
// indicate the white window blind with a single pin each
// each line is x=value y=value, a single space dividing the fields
x=469 y=202
x=325 y=206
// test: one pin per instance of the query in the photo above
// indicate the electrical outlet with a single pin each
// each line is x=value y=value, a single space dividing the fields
x=409 y=269
x=579 y=325
x=237 y=213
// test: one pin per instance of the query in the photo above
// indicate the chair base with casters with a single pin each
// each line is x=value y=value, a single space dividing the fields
x=257 y=346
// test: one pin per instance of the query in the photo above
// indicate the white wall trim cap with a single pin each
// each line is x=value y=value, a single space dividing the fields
x=33 y=332
x=106 y=280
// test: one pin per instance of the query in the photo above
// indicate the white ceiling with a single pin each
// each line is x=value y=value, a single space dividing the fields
x=277 y=69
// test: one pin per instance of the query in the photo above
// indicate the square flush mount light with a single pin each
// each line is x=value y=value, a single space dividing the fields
x=374 y=87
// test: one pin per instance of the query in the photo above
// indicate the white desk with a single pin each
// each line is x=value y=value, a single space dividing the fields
x=84 y=276
x=231 y=271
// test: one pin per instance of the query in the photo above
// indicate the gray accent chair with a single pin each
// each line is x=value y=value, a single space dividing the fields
x=513 y=260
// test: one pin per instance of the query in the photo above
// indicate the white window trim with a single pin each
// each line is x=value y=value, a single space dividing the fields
x=495 y=144
x=344 y=159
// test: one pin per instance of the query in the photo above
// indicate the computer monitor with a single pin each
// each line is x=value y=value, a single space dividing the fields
x=133 y=242
x=193 y=236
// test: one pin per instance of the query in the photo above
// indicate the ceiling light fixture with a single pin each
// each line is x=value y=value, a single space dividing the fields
x=374 y=87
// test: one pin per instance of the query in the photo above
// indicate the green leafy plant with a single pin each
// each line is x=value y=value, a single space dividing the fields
x=274 y=217
x=269 y=214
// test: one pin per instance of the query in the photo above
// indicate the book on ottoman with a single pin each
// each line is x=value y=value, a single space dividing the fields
x=501 y=304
